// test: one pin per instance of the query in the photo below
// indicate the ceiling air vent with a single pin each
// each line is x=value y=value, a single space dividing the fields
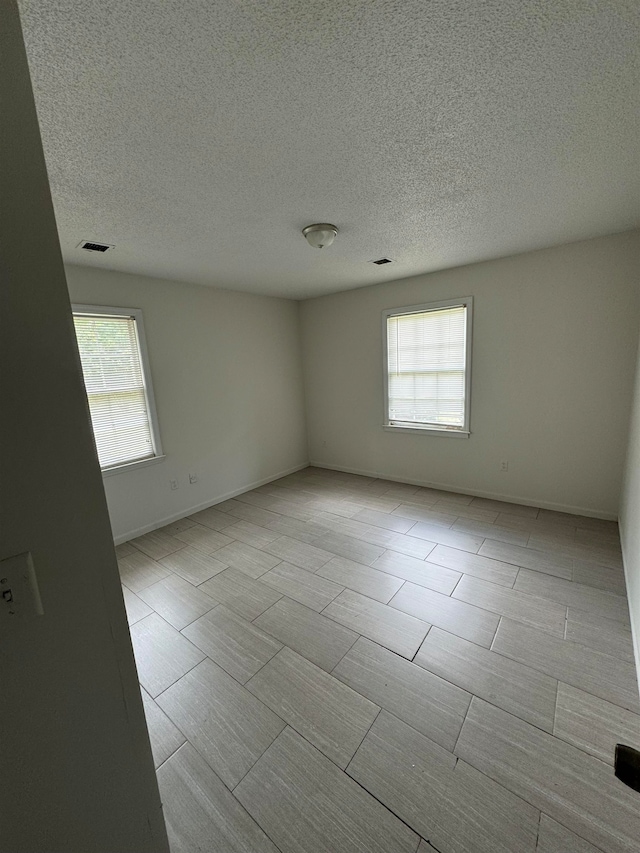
x=381 y=261
x=90 y=246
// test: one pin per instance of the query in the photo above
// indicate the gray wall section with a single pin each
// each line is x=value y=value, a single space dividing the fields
x=76 y=772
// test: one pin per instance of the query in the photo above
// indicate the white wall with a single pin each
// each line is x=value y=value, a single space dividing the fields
x=227 y=376
x=629 y=520
x=555 y=336
x=76 y=772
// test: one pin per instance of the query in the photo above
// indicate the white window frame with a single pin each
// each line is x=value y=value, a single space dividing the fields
x=453 y=432
x=136 y=315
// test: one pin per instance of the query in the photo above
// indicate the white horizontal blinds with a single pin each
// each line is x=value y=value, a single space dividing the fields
x=426 y=363
x=114 y=380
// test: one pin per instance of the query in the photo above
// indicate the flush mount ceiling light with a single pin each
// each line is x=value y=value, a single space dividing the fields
x=320 y=235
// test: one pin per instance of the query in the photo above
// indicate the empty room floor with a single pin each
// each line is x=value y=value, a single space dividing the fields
x=342 y=664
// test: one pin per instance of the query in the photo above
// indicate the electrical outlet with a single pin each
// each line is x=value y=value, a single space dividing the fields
x=504 y=465
x=324 y=443
x=193 y=478
x=173 y=484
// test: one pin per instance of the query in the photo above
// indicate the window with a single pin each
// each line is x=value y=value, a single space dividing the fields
x=427 y=367
x=116 y=377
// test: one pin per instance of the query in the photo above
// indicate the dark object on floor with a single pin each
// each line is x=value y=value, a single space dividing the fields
x=627 y=765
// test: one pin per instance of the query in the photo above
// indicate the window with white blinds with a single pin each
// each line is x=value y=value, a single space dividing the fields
x=428 y=366
x=112 y=353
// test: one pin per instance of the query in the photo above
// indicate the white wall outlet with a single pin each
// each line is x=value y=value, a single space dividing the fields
x=504 y=465
x=173 y=484
x=19 y=593
x=193 y=478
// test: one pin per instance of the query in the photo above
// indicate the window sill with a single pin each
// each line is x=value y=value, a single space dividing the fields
x=449 y=433
x=130 y=466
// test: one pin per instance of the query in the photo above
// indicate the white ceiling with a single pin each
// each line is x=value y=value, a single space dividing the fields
x=201 y=136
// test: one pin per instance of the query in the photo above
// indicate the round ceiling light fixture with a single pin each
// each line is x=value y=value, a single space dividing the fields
x=320 y=235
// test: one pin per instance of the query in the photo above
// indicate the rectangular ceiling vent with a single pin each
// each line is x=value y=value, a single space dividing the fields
x=90 y=246
x=381 y=261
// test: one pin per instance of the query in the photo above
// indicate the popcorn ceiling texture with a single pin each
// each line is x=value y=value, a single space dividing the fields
x=201 y=137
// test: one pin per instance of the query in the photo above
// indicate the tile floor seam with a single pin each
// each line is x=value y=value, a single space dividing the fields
x=340 y=769
x=555 y=710
x=499 y=588
x=488 y=701
x=513 y=565
x=501 y=616
x=179 y=630
x=425 y=558
x=186 y=740
x=413 y=659
x=256 y=761
x=359 y=637
x=491 y=649
x=344 y=769
x=211 y=609
x=457 y=760
x=144 y=553
x=460 y=732
x=538 y=829
x=544 y=731
x=364 y=595
x=462 y=574
x=582 y=646
x=292 y=726
x=494 y=633
x=244 y=683
x=581 y=837
x=530 y=801
x=386 y=807
x=156 y=697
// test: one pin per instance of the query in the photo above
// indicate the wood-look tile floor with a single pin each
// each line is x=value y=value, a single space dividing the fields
x=339 y=664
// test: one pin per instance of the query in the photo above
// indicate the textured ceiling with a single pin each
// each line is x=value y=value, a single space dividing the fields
x=200 y=137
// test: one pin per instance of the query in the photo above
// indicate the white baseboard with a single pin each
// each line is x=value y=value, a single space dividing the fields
x=497 y=496
x=147 y=528
x=445 y=487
